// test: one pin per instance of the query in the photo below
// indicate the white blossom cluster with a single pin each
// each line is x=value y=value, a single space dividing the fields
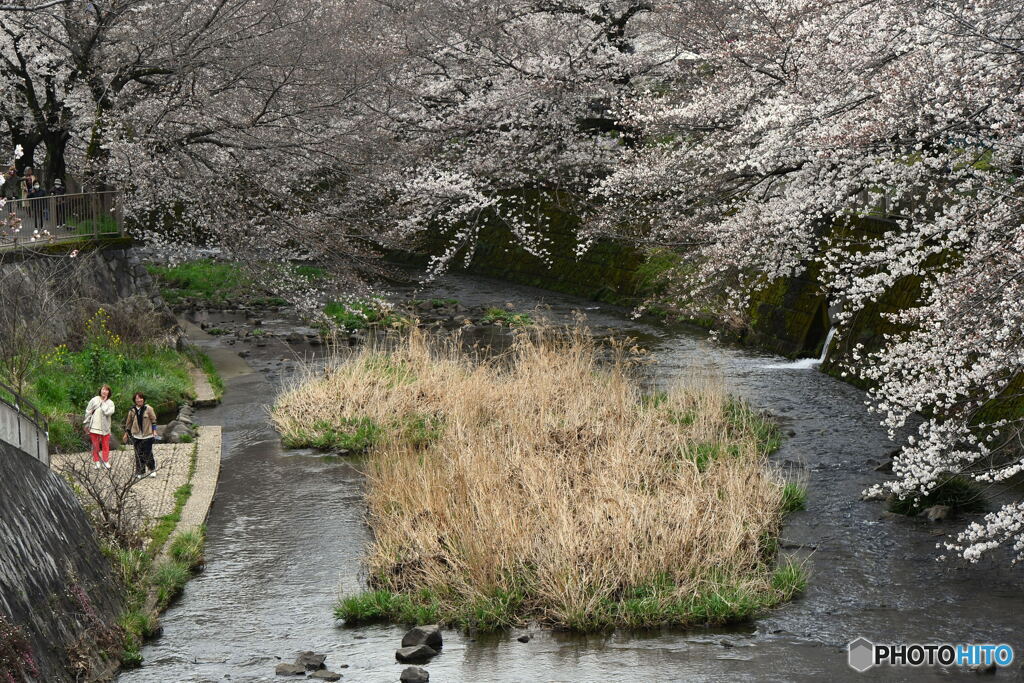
x=797 y=118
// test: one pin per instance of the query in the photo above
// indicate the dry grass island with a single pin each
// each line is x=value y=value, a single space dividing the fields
x=543 y=485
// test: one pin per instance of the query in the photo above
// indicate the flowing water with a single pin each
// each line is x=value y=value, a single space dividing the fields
x=287 y=532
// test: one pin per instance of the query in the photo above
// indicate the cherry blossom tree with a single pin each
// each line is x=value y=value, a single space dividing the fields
x=793 y=117
x=503 y=110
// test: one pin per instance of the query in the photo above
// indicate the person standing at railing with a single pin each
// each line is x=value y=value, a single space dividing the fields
x=38 y=207
x=28 y=181
x=12 y=185
x=97 y=425
x=57 y=192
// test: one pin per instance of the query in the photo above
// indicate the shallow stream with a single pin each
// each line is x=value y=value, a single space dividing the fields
x=287 y=531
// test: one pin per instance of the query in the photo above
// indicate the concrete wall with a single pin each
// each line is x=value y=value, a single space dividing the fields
x=55 y=583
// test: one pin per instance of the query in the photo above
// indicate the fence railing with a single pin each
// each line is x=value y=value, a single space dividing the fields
x=23 y=426
x=60 y=218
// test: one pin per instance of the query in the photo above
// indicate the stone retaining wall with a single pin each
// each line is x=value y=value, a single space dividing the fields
x=55 y=584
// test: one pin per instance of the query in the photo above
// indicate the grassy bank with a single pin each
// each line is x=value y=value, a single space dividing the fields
x=64 y=381
x=544 y=486
x=221 y=282
x=152 y=578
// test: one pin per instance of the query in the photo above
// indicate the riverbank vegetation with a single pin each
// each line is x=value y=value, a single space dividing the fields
x=64 y=380
x=543 y=485
x=151 y=572
x=214 y=282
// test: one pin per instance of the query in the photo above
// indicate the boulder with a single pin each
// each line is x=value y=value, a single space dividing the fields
x=414 y=674
x=525 y=638
x=174 y=431
x=289 y=670
x=415 y=654
x=325 y=675
x=937 y=513
x=310 y=660
x=423 y=635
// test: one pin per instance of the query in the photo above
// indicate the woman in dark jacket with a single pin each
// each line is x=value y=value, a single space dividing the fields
x=140 y=423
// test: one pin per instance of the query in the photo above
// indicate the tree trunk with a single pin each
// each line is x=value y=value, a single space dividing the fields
x=54 y=166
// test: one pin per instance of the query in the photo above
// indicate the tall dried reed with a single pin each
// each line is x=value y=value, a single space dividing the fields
x=543 y=485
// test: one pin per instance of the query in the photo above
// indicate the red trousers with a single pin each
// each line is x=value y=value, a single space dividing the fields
x=99 y=440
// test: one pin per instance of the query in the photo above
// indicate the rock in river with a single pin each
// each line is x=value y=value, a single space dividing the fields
x=415 y=674
x=310 y=660
x=289 y=670
x=415 y=654
x=937 y=513
x=324 y=675
x=423 y=635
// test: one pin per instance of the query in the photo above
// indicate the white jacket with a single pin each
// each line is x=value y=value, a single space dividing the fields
x=97 y=415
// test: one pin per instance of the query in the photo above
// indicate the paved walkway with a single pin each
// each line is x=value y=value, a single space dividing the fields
x=204 y=483
x=205 y=395
x=154 y=495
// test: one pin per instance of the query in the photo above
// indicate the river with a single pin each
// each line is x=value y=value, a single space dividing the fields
x=286 y=534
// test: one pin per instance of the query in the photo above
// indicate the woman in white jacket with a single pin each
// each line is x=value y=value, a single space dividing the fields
x=97 y=425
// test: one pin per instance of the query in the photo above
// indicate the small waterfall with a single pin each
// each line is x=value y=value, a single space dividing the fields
x=828 y=343
x=807 y=363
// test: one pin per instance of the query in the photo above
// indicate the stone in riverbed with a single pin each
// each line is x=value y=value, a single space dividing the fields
x=325 y=675
x=524 y=638
x=937 y=513
x=415 y=674
x=423 y=635
x=415 y=654
x=310 y=660
x=289 y=670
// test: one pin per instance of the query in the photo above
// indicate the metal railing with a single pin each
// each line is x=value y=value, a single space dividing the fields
x=60 y=218
x=23 y=426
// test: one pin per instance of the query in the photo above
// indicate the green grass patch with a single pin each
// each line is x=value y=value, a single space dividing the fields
x=741 y=418
x=651 y=276
x=501 y=316
x=789 y=580
x=358 y=315
x=104 y=225
x=960 y=493
x=356 y=434
x=422 y=607
x=136 y=626
x=205 y=280
x=794 y=497
x=168 y=580
x=309 y=273
x=187 y=547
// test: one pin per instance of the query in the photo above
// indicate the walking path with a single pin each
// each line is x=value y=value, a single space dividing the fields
x=205 y=395
x=204 y=484
x=153 y=497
